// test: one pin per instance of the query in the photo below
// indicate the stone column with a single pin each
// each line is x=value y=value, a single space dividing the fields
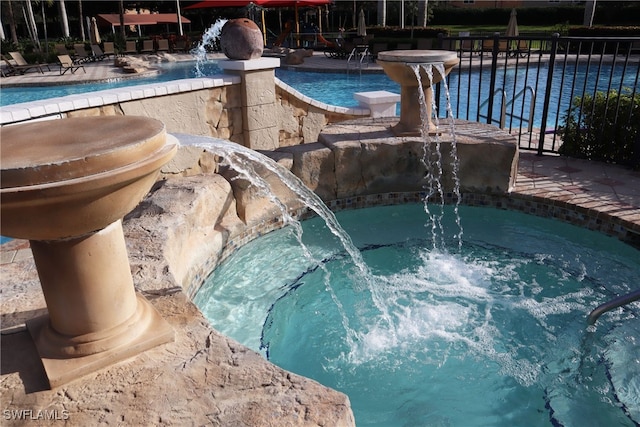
x=259 y=124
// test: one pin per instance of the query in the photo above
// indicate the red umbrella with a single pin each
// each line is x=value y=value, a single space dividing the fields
x=292 y=3
x=219 y=3
x=263 y=3
x=295 y=4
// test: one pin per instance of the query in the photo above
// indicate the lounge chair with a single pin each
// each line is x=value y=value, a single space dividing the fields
x=163 y=45
x=9 y=67
x=98 y=54
x=109 y=49
x=487 y=46
x=378 y=47
x=81 y=54
x=61 y=49
x=521 y=48
x=66 y=64
x=424 y=44
x=20 y=66
x=147 y=46
x=181 y=45
x=131 y=48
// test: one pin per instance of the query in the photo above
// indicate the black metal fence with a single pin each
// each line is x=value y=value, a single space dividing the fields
x=530 y=85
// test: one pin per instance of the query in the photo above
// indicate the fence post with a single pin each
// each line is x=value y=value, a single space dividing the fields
x=494 y=67
x=547 y=92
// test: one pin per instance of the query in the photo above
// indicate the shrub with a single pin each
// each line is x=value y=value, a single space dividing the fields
x=604 y=127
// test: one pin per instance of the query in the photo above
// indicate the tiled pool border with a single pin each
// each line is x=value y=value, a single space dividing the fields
x=590 y=219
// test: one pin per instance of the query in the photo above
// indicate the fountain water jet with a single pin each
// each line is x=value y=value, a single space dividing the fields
x=66 y=185
x=209 y=38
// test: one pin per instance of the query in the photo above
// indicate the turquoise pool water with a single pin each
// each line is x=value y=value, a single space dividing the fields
x=492 y=334
x=338 y=88
x=172 y=71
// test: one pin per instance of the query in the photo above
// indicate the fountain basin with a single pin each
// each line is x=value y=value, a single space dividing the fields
x=66 y=185
x=397 y=64
x=85 y=173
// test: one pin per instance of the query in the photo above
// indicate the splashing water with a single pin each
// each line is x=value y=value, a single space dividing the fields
x=241 y=159
x=432 y=156
x=211 y=37
x=363 y=279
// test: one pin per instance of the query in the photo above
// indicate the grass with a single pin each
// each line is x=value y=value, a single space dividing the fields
x=490 y=29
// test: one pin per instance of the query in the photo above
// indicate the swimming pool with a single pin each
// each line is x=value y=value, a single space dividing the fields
x=338 y=88
x=171 y=71
x=493 y=333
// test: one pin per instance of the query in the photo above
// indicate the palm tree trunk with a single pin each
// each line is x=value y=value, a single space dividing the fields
x=123 y=34
x=423 y=13
x=64 y=19
x=382 y=13
x=83 y=33
x=44 y=25
x=31 y=25
x=589 y=12
x=12 y=24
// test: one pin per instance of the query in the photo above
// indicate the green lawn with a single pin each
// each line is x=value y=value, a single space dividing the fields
x=490 y=29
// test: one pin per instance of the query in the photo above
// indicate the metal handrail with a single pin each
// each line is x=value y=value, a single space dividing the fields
x=503 y=109
x=505 y=104
x=531 y=107
x=359 y=53
x=610 y=305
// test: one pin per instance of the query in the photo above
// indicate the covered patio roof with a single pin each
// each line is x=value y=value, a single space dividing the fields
x=263 y=3
x=141 y=19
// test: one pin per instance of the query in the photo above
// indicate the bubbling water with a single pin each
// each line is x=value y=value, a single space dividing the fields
x=495 y=329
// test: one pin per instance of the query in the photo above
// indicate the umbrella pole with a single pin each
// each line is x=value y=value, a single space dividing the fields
x=179 y=18
x=264 y=29
x=297 y=26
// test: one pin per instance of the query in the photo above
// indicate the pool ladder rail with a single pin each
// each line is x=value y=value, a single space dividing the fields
x=610 y=305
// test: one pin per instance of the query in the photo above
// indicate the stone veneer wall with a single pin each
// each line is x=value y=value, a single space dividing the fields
x=231 y=214
x=199 y=255
x=204 y=106
x=212 y=112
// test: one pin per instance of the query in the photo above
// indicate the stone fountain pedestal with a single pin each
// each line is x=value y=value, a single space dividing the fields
x=397 y=64
x=66 y=185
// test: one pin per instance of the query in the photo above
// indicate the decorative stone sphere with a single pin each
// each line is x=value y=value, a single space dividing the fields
x=241 y=39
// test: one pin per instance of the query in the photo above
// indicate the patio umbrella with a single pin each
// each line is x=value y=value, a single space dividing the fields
x=263 y=3
x=512 y=27
x=218 y=3
x=94 y=33
x=362 y=24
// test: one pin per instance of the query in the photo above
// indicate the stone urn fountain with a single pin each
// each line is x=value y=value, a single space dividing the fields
x=397 y=64
x=241 y=39
x=66 y=185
